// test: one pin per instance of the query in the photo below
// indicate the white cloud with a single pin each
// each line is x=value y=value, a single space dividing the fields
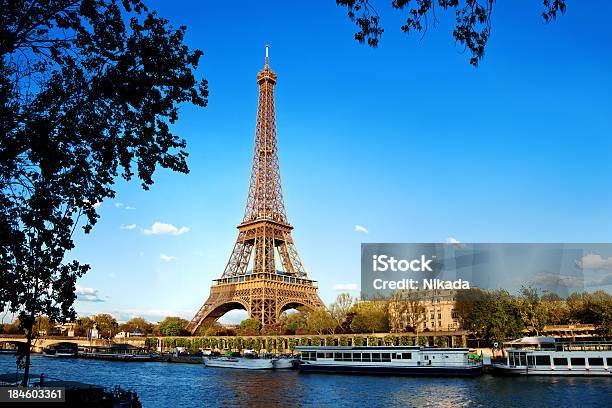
x=159 y=228
x=95 y=205
x=166 y=258
x=88 y=294
x=127 y=226
x=454 y=242
x=118 y=205
x=553 y=279
x=361 y=228
x=150 y=315
x=129 y=207
x=351 y=287
x=233 y=316
x=594 y=261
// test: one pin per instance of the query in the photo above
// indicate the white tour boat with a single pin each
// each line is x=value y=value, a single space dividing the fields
x=409 y=360
x=284 y=363
x=545 y=356
x=249 y=361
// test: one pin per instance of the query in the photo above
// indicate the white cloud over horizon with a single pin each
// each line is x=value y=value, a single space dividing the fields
x=160 y=228
x=127 y=226
x=87 y=294
x=351 y=287
x=594 y=261
x=150 y=315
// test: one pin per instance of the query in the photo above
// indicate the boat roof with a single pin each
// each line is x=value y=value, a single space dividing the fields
x=374 y=348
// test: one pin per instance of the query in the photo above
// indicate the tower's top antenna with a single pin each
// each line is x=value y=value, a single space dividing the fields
x=267 y=47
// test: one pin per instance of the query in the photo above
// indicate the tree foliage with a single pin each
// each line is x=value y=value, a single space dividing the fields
x=250 y=327
x=472 y=19
x=173 y=326
x=137 y=323
x=370 y=317
x=341 y=308
x=106 y=324
x=321 y=321
x=88 y=91
x=492 y=315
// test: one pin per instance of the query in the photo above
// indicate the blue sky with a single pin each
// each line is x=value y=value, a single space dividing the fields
x=408 y=141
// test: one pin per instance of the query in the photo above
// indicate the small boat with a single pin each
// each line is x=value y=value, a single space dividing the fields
x=62 y=350
x=285 y=363
x=389 y=360
x=117 y=352
x=249 y=361
x=546 y=356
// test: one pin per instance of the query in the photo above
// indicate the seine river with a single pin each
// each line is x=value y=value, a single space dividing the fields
x=191 y=385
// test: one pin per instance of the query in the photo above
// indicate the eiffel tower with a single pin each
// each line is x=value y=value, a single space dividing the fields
x=264 y=238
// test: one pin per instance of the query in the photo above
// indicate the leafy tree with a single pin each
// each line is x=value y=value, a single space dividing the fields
x=555 y=308
x=44 y=325
x=472 y=17
x=341 y=308
x=137 y=323
x=88 y=91
x=173 y=326
x=106 y=324
x=13 y=328
x=532 y=309
x=406 y=310
x=250 y=327
x=82 y=326
x=321 y=321
x=370 y=317
x=599 y=307
x=294 y=322
x=492 y=315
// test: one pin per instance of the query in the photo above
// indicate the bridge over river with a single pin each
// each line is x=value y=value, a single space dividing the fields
x=40 y=343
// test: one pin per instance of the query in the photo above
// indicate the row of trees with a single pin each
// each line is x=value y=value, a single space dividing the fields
x=500 y=315
x=490 y=315
x=106 y=324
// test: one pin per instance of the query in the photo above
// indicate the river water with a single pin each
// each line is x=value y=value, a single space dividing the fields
x=193 y=385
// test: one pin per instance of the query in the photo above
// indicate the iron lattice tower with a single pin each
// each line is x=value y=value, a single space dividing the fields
x=264 y=237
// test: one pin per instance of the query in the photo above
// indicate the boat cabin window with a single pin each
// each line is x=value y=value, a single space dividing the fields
x=347 y=357
x=309 y=356
x=329 y=355
x=375 y=357
x=609 y=360
x=320 y=355
x=560 y=361
x=386 y=357
x=543 y=360
x=530 y=361
x=596 y=361
x=356 y=356
x=577 y=361
x=337 y=356
x=366 y=357
x=406 y=356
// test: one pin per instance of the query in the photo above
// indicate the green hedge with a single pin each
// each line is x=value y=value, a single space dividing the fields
x=282 y=344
